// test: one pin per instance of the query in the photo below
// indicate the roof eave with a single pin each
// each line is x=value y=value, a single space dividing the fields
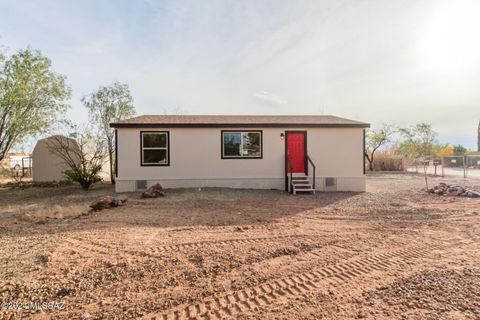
x=239 y=125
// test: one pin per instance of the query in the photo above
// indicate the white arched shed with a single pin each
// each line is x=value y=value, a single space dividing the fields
x=47 y=166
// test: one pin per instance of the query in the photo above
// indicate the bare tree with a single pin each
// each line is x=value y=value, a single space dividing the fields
x=374 y=139
x=84 y=156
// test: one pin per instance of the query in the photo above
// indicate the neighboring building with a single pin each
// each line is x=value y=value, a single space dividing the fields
x=46 y=165
x=240 y=152
x=17 y=161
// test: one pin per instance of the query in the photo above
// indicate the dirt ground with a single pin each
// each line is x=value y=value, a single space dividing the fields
x=393 y=252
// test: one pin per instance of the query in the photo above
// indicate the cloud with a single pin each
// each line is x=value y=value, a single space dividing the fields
x=269 y=98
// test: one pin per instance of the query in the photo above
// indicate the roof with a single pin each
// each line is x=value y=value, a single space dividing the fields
x=297 y=121
x=41 y=143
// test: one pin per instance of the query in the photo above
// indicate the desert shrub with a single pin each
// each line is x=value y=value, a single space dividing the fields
x=387 y=162
x=84 y=178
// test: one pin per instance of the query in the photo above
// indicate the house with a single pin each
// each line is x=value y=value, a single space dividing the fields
x=293 y=153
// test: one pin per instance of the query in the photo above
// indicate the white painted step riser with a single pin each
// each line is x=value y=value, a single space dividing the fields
x=301 y=183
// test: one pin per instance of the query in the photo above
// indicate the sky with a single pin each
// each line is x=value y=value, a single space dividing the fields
x=398 y=62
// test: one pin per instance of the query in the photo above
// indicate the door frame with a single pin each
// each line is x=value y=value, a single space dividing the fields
x=305 y=166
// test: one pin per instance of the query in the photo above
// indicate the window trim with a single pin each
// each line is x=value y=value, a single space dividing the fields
x=142 y=164
x=240 y=131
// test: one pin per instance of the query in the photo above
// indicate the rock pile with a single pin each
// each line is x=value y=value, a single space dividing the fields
x=443 y=189
x=108 y=202
x=154 y=191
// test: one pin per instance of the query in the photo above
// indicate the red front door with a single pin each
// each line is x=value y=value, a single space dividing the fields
x=296 y=150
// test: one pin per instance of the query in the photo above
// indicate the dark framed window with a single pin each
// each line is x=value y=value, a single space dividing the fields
x=155 y=148
x=242 y=144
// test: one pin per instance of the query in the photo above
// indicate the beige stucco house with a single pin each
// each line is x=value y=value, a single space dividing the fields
x=292 y=153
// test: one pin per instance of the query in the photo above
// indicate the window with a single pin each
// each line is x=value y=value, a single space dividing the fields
x=154 y=148
x=241 y=144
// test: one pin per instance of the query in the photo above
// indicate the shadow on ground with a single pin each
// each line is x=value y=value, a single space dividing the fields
x=52 y=210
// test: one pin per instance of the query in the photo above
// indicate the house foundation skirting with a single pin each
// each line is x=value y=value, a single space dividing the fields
x=355 y=184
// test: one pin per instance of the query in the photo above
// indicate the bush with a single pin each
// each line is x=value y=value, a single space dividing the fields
x=84 y=177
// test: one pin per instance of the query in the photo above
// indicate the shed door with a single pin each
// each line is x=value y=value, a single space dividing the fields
x=296 y=150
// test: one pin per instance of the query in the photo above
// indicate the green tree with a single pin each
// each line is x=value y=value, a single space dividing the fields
x=109 y=104
x=419 y=142
x=459 y=150
x=374 y=139
x=32 y=97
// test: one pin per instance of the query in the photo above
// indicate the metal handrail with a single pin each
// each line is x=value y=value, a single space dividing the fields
x=313 y=166
x=289 y=171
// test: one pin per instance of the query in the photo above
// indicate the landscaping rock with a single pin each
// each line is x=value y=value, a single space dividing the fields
x=472 y=194
x=121 y=200
x=154 y=191
x=443 y=189
x=108 y=202
x=102 y=203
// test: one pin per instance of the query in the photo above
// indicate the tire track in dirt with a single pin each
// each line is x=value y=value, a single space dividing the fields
x=248 y=300
x=104 y=249
x=231 y=242
x=75 y=244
